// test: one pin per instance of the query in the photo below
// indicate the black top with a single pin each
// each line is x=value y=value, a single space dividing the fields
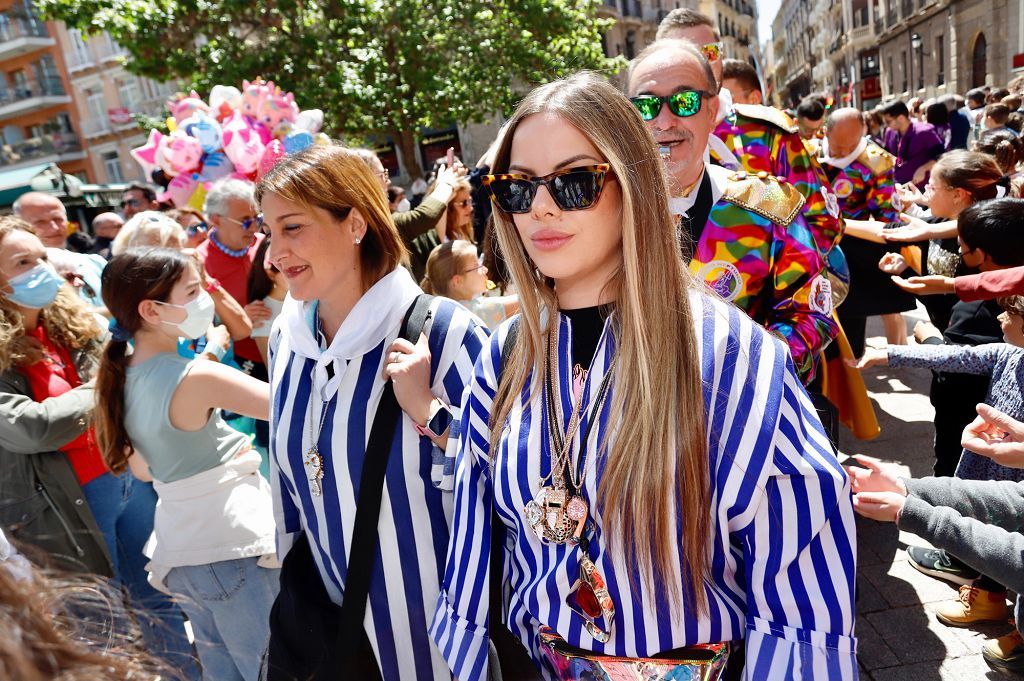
x=587 y=324
x=697 y=217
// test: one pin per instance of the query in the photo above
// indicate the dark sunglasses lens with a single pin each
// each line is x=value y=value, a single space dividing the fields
x=647 y=106
x=685 y=104
x=513 y=196
x=577 y=190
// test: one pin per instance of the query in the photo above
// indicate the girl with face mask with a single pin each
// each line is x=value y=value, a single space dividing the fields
x=214 y=528
x=56 y=493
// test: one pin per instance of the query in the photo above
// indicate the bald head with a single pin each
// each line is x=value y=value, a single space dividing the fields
x=46 y=214
x=107 y=225
x=844 y=129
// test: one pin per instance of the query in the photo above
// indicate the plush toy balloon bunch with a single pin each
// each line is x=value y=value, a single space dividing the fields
x=239 y=133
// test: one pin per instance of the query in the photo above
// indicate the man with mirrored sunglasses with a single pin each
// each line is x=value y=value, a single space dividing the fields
x=747 y=238
x=759 y=138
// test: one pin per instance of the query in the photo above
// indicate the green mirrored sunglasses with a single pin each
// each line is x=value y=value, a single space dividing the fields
x=684 y=103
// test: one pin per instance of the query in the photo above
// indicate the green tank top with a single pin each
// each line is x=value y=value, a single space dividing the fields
x=172 y=454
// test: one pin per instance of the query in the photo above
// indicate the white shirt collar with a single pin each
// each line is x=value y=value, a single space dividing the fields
x=719 y=177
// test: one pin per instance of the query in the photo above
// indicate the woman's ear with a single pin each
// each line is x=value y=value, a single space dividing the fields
x=357 y=225
x=147 y=310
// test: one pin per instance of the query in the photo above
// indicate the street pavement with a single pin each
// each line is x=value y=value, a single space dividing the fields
x=899 y=637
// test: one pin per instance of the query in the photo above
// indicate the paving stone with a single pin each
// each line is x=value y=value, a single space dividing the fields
x=868 y=597
x=872 y=650
x=909 y=633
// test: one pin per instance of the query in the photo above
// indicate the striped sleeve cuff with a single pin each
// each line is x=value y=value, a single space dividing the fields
x=779 y=653
x=462 y=643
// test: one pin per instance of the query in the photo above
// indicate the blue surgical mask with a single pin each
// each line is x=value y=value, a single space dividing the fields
x=36 y=288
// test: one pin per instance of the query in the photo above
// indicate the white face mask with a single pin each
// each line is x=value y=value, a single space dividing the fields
x=198 y=315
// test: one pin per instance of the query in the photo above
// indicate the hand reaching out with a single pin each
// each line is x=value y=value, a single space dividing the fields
x=932 y=284
x=997 y=436
x=892 y=263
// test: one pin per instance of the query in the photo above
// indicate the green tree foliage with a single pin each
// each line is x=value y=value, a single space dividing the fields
x=384 y=67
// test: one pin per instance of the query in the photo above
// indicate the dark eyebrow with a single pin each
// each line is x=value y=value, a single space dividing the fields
x=558 y=166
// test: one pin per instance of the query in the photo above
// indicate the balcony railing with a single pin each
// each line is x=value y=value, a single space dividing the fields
x=53 y=144
x=45 y=87
x=96 y=127
x=22 y=28
x=76 y=61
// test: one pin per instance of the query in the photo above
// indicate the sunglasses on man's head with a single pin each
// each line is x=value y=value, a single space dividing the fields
x=571 y=189
x=684 y=103
x=712 y=51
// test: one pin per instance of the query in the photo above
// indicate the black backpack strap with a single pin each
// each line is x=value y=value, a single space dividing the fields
x=363 y=552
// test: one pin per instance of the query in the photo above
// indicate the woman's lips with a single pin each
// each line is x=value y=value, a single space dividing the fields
x=292 y=272
x=550 y=240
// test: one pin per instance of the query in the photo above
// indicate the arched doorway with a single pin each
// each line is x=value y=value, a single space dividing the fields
x=979 y=61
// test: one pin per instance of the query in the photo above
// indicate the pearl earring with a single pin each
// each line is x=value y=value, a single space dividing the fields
x=358 y=240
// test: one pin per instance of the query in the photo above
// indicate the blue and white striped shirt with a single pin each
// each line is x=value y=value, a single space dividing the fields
x=415 y=512
x=783 y=554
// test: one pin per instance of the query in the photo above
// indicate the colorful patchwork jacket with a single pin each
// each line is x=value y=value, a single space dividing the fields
x=756 y=251
x=764 y=139
x=864 y=182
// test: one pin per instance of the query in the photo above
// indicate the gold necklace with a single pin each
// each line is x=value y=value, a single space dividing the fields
x=556 y=513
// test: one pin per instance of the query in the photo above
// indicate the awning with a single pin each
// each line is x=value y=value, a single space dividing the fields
x=14 y=183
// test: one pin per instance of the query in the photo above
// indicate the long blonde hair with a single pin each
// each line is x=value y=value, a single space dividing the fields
x=658 y=462
x=67 y=320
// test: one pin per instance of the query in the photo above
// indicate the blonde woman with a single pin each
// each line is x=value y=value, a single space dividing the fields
x=149 y=228
x=455 y=270
x=659 y=475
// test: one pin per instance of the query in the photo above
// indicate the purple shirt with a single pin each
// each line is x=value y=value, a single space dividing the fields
x=919 y=145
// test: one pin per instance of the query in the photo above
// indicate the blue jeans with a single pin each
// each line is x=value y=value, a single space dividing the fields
x=124 y=507
x=228 y=604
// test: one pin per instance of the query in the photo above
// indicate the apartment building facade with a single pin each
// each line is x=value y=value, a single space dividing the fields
x=39 y=124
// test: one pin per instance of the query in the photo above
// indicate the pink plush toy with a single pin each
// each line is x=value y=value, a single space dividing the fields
x=184 y=106
x=277 y=112
x=253 y=94
x=180 y=189
x=179 y=153
x=242 y=144
x=146 y=154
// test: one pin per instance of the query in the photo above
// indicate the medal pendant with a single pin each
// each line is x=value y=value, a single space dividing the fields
x=546 y=515
x=316 y=474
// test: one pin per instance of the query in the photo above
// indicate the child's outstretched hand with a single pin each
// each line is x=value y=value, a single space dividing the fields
x=997 y=436
x=873 y=475
x=872 y=357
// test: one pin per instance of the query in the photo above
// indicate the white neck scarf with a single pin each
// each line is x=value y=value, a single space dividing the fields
x=377 y=314
x=841 y=163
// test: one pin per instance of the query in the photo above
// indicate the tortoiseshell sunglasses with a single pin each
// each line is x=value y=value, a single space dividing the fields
x=571 y=188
